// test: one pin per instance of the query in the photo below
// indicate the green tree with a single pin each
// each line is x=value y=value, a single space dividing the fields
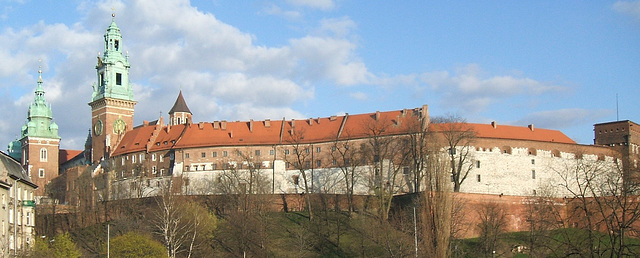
x=134 y=244
x=60 y=246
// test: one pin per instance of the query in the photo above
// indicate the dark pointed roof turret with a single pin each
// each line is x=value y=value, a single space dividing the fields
x=180 y=105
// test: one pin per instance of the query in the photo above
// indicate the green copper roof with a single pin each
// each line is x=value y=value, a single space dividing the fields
x=113 y=68
x=39 y=117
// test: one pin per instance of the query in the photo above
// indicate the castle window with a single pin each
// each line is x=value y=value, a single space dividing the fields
x=203 y=167
x=225 y=153
x=477 y=164
x=116 y=44
x=452 y=151
x=318 y=149
x=154 y=170
x=272 y=152
x=239 y=152
x=43 y=154
x=307 y=164
x=214 y=154
x=318 y=163
x=214 y=166
x=478 y=178
x=41 y=173
x=334 y=162
x=533 y=161
x=286 y=151
x=533 y=174
x=141 y=157
x=204 y=154
x=133 y=158
x=257 y=152
x=153 y=157
x=161 y=158
x=186 y=155
x=118 y=79
x=186 y=168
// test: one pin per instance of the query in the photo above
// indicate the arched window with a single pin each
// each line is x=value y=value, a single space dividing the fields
x=43 y=154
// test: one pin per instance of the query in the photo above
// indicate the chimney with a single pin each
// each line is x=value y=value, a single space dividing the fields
x=223 y=125
x=494 y=124
x=531 y=127
x=404 y=112
x=377 y=115
x=293 y=126
x=267 y=123
x=145 y=122
x=310 y=121
x=332 y=118
x=251 y=125
x=168 y=128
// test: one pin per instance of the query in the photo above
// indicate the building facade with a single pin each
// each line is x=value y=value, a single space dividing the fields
x=17 y=213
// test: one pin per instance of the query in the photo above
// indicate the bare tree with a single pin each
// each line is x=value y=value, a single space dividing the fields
x=302 y=160
x=169 y=222
x=438 y=203
x=492 y=224
x=457 y=137
x=602 y=199
x=347 y=157
x=387 y=156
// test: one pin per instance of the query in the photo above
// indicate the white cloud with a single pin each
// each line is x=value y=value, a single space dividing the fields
x=315 y=4
x=631 y=8
x=472 y=91
x=563 y=118
x=273 y=9
x=330 y=58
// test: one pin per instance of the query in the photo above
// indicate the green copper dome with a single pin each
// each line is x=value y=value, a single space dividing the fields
x=39 y=117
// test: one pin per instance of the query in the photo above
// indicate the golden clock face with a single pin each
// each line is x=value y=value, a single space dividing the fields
x=119 y=126
x=97 y=127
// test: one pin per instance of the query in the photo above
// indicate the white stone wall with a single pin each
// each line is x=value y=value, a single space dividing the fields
x=508 y=171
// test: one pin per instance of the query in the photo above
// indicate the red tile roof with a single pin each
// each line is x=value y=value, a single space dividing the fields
x=66 y=155
x=222 y=133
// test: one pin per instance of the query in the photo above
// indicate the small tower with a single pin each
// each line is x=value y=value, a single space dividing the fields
x=40 y=141
x=180 y=113
x=112 y=102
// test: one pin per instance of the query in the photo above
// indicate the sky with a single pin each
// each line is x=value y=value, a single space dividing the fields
x=563 y=65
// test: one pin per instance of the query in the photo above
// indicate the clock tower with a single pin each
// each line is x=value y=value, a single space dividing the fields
x=112 y=100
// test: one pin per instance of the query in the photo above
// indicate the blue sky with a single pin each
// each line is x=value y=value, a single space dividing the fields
x=555 y=64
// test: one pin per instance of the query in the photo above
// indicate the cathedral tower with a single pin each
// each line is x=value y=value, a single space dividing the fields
x=112 y=101
x=40 y=141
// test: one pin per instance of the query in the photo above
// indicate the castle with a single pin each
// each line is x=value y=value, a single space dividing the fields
x=287 y=156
